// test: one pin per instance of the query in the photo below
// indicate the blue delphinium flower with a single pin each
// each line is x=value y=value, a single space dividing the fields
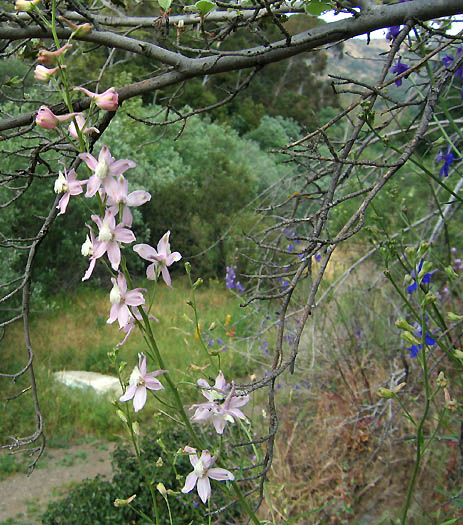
x=426 y=278
x=448 y=60
x=230 y=280
x=393 y=33
x=428 y=339
x=398 y=69
x=447 y=157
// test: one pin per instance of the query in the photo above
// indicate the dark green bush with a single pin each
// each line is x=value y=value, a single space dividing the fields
x=91 y=502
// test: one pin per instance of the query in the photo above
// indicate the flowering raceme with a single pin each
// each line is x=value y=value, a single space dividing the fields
x=121 y=299
x=161 y=258
x=140 y=381
x=108 y=100
x=203 y=470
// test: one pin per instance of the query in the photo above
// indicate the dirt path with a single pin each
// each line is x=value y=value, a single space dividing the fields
x=24 y=498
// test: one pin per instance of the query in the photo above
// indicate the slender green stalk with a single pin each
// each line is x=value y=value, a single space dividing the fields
x=420 y=428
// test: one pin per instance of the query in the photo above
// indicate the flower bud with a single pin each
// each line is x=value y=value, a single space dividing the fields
x=121 y=502
x=44 y=74
x=441 y=380
x=385 y=393
x=48 y=58
x=122 y=416
x=78 y=30
x=450 y=404
x=409 y=338
x=159 y=463
x=458 y=354
x=161 y=489
x=454 y=317
x=48 y=120
x=423 y=248
x=403 y=325
x=26 y=5
x=426 y=268
x=451 y=273
x=429 y=298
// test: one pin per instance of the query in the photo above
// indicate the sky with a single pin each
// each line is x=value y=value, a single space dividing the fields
x=331 y=17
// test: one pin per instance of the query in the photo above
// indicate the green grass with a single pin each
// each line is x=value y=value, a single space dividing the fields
x=73 y=335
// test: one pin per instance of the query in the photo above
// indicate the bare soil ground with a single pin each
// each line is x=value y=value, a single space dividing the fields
x=23 y=498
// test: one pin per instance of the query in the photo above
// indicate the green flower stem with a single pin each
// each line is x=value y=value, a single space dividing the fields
x=193 y=305
x=142 y=466
x=411 y=308
x=419 y=431
x=140 y=513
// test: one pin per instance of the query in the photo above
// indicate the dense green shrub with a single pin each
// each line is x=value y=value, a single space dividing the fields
x=92 y=501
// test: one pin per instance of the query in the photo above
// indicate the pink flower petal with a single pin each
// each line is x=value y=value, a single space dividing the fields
x=137 y=198
x=129 y=393
x=139 y=399
x=190 y=483
x=166 y=276
x=89 y=271
x=145 y=251
x=122 y=234
x=63 y=203
x=114 y=254
x=204 y=488
x=90 y=160
x=142 y=364
x=220 y=474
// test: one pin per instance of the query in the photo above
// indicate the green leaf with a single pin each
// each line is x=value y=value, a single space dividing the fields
x=165 y=4
x=204 y=6
x=316 y=8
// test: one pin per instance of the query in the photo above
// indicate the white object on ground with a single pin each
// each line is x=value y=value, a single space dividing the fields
x=103 y=384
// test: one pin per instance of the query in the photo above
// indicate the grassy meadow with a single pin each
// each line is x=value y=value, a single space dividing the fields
x=72 y=334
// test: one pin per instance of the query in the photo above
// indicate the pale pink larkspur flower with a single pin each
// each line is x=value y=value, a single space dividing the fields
x=160 y=258
x=222 y=406
x=104 y=169
x=121 y=299
x=44 y=74
x=108 y=100
x=68 y=185
x=48 y=58
x=109 y=237
x=47 y=119
x=80 y=120
x=87 y=250
x=117 y=191
x=138 y=383
x=203 y=470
